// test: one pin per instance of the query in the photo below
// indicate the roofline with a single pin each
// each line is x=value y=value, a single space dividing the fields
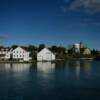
x=21 y=48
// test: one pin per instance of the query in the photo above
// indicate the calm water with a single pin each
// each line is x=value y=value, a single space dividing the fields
x=72 y=80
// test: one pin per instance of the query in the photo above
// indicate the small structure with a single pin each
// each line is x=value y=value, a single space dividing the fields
x=87 y=51
x=45 y=55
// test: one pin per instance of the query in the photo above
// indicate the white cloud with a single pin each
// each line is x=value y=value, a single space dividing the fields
x=87 y=6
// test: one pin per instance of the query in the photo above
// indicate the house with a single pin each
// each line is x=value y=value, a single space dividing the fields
x=5 y=53
x=21 y=54
x=45 y=55
x=87 y=51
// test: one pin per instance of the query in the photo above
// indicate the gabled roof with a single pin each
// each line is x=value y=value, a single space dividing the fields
x=44 y=50
x=4 y=49
x=25 y=49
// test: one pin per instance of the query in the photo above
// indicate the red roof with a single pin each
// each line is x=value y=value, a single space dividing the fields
x=11 y=49
x=5 y=49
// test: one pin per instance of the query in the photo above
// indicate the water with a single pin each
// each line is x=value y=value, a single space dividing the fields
x=71 y=80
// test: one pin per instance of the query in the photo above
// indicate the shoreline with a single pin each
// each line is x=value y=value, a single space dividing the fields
x=15 y=62
x=58 y=60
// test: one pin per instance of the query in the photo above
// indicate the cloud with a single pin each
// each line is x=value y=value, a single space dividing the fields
x=2 y=36
x=86 y=6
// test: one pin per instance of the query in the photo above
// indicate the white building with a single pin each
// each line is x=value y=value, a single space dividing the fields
x=16 y=54
x=5 y=53
x=21 y=54
x=87 y=51
x=45 y=55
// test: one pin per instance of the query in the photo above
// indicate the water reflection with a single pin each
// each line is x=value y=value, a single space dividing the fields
x=15 y=67
x=51 y=81
x=45 y=75
x=20 y=67
x=45 y=72
x=86 y=65
x=78 y=69
x=48 y=67
x=45 y=67
x=80 y=66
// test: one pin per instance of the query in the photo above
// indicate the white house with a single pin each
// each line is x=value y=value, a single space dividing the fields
x=5 y=53
x=87 y=51
x=45 y=55
x=21 y=54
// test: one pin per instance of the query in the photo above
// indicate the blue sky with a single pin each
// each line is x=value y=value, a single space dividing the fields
x=53 y=22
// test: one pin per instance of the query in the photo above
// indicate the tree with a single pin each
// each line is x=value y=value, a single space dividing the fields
x=95 y=52
x=60 y=51
x=54 y=49
x=32 y=50
x=41 y=46
x=14 y=46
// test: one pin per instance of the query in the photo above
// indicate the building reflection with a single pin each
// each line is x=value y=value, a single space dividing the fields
x=48 y=67
x=20 y=67
x=78 y=69
x=86 y=66
x=80 y=66
x=15 y=67
x=45 y=75
x=45 y=67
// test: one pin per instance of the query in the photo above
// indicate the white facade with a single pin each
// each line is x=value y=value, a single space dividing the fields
x=87 y=51
x=21 y=54
x=5 y=53
x=45 y=55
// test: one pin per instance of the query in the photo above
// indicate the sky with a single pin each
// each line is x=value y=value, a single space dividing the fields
x=53 y=22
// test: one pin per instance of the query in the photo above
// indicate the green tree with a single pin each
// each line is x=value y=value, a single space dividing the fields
x=41 y=46
x=33 y=51
x=14 y=46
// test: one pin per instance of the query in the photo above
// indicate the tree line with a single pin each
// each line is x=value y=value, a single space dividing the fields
x=61 y=52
